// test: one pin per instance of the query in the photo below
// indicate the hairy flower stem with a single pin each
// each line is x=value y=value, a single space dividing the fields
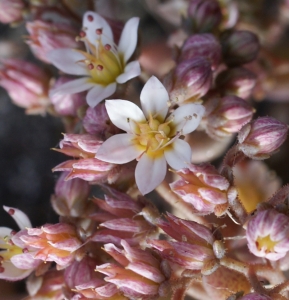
x=252 y=271
x=181 y=208
x=284 y=286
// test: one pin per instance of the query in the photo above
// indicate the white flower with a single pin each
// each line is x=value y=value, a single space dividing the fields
x=17 y=261
x=152 y=137
x=103 y=65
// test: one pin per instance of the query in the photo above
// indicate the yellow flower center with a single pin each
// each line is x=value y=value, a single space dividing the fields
x=104 y=62
x=8 y=249
x=265 y=243
x=153 y=136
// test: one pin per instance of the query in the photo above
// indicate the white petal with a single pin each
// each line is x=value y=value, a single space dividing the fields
x=99 y=93
x=4 y=231
x=98 y=22
x=179 y=155
x=131 y=70
x=67 y=60
x=118 y=149
x=128 y=38
x=12 y=273
x=122 y=112
x=72 y=87
x=188 y=117
x=149 y=173
x=154 y=98
x=19 y=217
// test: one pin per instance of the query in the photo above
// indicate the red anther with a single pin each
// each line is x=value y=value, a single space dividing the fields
x=25 y=250
x=99 y=67
x=98 y=31
x=11 y=211
x=90 y=66
x=82 y=33
x=13 y=232
x=1 y=259
x=90 y=18
x=107 y=47
x=2 y=269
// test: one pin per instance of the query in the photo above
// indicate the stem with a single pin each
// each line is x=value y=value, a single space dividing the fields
x=182 y=209
x=283 y=287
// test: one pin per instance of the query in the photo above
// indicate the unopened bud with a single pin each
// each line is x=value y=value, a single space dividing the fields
x=254 y=296
x=203 y=15
x=239 y=47
x=262 y=137
x=236 y=81
x=202 y=45
x=226 y=115
x=191 y=80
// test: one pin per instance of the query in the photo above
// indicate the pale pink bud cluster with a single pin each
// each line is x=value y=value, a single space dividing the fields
x=268 y=234
x=236 y=81
x=70 y=198
x=57 y=243
x=140 y=274
x=123 y=218
x=192 y=247
x=97 y=122
x=262 y=137
x=226 y=115
x=11 y=10
x=204 y=188
x=45 y=36
x=26 y=84
x=86 y=167
x=67 y=105
x=203 y=15
x=239 y=47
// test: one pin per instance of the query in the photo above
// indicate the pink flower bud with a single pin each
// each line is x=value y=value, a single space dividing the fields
x=26 y=84
x=69 y=104
x=58 y=243
x=11 y=10
x=83 y=147
x=46 y=36
x=202 y=45
x=262 y=137
x=71 y=196
x=268 y=234
x=97 y=122
x=204 y=188
x=190 y=80
x=236 y=81
x=226 y=115
x=239 y=47
x=204 y=15
x=140 y=274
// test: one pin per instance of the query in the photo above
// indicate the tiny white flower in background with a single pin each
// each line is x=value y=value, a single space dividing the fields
x=152 y=137
x=104 y=65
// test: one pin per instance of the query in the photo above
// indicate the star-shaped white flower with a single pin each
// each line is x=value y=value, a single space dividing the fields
x=104 y=65
x=152 y=137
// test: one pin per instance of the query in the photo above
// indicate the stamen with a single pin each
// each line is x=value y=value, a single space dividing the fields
x=90 y=66
x=25 y=250
x=107 y=47
x=82 y=33
x=99 y=67
x=2 y=269
x=98 y=31
x=11 y=211
x=90 y=18
x=1 y=259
